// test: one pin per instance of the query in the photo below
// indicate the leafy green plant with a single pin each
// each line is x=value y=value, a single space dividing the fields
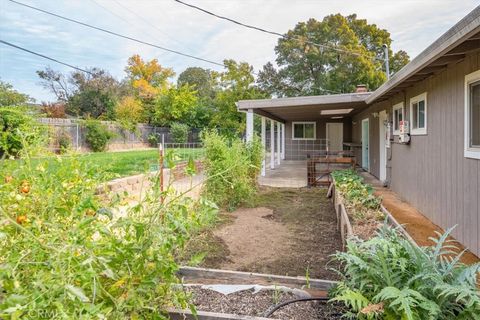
x=232 y=168
x=358 y=194
x=388 y=277
x=153 y=140
x=97 y=136
x=179 y=132
x=64 y=141
x=18 y=129
x=66 y=253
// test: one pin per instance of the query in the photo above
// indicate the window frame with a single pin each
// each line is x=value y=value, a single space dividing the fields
x=304 y=122
x=469 y=152
x=398 y=106
x=416 y=99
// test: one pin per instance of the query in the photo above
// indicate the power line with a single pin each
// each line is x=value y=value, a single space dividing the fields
x=148 y=22
x=323 y=46
x=44 y=56
x=118 y=34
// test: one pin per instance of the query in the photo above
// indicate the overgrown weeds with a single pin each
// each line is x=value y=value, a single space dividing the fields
x=231 y=168
x=388 y=277
x=66 y=254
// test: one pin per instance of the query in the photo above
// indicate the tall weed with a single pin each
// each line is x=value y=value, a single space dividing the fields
x=232 y=168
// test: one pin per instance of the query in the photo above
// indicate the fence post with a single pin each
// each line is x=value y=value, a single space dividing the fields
x=77 y=138
x=160 y=169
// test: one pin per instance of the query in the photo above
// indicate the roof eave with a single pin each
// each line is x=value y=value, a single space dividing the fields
x=458 y=33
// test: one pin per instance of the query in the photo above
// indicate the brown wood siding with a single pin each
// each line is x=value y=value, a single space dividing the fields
x=431 y=172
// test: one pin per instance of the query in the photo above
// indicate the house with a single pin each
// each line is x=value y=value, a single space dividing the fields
x=438 y=93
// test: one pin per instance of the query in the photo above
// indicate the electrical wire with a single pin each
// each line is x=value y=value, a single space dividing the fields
x=44 y=56
x=149 y=23
x=118 y=34
x=322 y=46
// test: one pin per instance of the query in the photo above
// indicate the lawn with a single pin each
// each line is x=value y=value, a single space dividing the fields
x=126 y=163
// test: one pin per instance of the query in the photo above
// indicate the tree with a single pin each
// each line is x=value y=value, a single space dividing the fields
x=56 y=82
x=147 y=79
x=11 y=97
x=93 y=94
x=203 y=81
x=306 y=68
x=174 y=104
x=235 y=83
x=129 y=112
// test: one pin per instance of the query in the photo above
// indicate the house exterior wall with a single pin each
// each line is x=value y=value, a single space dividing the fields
x=299 y=149
x=431 y=172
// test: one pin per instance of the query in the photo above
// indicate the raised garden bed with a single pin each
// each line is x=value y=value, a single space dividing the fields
x=224 y=294
x=359 y=212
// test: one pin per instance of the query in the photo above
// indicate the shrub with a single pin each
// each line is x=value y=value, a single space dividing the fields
x=179 y=132
x=153 y=139
x=97 y=136
x=231 y=168
x=64 y=141
x=66 y=254
x=16 y=130
x=53 y=110
x=388 y=277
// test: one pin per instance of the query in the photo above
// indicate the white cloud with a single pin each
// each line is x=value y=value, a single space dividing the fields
x=413 y=24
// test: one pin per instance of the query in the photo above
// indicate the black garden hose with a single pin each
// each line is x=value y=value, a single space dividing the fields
x=274 y=308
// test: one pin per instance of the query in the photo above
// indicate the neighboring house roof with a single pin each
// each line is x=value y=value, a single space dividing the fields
x=451 y=47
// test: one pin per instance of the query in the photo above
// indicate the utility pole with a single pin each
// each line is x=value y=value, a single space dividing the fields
x=387 y=64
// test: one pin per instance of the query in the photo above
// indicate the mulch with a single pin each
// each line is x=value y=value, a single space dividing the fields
x=249 y=303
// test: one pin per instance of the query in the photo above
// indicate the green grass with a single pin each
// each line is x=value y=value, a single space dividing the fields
x=127 y=163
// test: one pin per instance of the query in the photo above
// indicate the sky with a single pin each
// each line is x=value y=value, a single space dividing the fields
x=413 y=24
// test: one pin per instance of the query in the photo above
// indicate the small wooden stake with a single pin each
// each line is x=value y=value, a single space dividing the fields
x=160 y=168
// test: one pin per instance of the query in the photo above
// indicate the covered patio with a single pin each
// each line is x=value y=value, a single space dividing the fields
x=295 y=129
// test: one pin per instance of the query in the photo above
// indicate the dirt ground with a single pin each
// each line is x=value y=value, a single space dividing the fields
x=286 y=232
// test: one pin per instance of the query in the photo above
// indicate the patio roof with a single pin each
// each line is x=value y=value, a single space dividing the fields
x=309 y=107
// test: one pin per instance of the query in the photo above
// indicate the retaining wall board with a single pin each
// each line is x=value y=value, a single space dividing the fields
x=193 y=273
x=204 y=315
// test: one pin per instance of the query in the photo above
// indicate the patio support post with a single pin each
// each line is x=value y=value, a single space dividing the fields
x=272 y=144
x=283 y=141
x=278 y=142
x=249 y=135
x=264 y=145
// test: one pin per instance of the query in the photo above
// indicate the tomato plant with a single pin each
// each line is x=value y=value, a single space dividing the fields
x=66 y=253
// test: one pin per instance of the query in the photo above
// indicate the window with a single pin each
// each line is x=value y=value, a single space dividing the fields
x=418 y=114
x=472 y=115
x=397 y=117
x=304 y=130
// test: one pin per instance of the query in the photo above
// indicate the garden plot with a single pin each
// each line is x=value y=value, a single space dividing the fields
x=286 y=232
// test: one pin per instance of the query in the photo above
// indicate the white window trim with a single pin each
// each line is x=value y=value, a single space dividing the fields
x=468 y=151
x=398 y=106
x=418 y=131
x=305 y=122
